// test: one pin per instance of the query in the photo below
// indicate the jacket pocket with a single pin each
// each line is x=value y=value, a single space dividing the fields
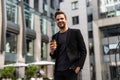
x=73 y=55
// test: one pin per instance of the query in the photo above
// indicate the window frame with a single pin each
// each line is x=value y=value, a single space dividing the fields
x=74 y=5
x=75 y=20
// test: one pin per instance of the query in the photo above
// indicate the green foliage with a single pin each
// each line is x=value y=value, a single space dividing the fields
x=46 y=78
x=30 y=71
x=8 y=72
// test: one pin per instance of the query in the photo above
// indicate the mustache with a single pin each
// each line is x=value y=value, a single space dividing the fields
x=61 y=23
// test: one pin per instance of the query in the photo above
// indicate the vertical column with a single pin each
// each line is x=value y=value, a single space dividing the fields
x=49 y=67
x=22 y=36
x=49 y=33
x=97 y=51
x=0 y=25
x=95 y=9
x=83 y=26
x=37 y=41
x=21 y=43
x=1 y=54
x=3 y=25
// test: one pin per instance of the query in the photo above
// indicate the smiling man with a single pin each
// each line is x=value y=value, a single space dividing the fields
x=69 y=51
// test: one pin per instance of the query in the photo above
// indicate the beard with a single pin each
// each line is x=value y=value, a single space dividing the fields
x=61 y=25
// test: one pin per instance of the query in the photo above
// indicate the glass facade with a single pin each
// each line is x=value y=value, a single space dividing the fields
x=45 y=7
x=109 y=8
x=30 y=50
x=111 y=52
x=54 y=27
x=44 y=23
x=11 y=47
x=36 y=5
x=52 y=4
x=44 y=51
x=11 y=42
x=19 y=41
x=12 y=11
x=30 y=47
x=29 y=16
x=26 y=1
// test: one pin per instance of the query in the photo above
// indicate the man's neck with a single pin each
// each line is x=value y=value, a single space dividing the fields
x=63 y=30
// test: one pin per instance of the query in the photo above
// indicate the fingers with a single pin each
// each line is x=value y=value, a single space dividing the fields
x=77 y=70
x=52 y=48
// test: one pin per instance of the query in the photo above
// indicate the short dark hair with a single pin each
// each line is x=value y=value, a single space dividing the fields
x=58 y=12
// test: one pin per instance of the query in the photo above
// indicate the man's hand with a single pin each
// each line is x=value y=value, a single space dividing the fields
x=52 y=48
x=77 y=70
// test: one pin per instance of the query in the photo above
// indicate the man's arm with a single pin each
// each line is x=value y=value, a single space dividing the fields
x=82 y=49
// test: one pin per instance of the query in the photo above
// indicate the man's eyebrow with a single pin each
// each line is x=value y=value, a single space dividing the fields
x=59 y=18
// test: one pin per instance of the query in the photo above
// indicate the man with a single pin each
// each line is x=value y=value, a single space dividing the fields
x=68 y=49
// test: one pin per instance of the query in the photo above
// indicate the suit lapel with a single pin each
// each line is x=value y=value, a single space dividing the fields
x=57 y=36
x=68 y=36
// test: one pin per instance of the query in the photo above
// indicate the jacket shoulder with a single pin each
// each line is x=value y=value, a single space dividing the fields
x=74 y=30
x=55 y=35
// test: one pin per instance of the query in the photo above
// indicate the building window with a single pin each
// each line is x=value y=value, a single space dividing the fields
x=75 y=20
x=44 y=1
x=36 y=6
x=45 y=7
x=12 y=11
x=90 y=18
x=29 y=16
x=52 y=15
x=115 y=0
x=88 y=4
x=111 y=40
x=26 y=1
x=43 y=25
x=75 y=5
x=60 y=1
x=90 y=34
x=52 y=4
x=111 y=14
x=44 y=51
x=29 y=47
x=11 y=43
x=107 y=10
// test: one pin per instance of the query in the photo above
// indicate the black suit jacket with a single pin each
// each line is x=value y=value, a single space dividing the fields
x=75 y=46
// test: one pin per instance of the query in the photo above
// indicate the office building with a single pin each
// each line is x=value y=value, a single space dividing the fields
x=106 y=32
x=26 y=27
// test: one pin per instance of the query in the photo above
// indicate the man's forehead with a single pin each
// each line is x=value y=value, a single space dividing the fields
x=60 y=15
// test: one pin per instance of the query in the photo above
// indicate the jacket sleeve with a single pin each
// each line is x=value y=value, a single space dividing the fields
x=53 y=56
x=81 y=48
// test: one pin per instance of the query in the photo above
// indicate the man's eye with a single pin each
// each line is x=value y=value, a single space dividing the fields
x=60 y=19
x=57 y=19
